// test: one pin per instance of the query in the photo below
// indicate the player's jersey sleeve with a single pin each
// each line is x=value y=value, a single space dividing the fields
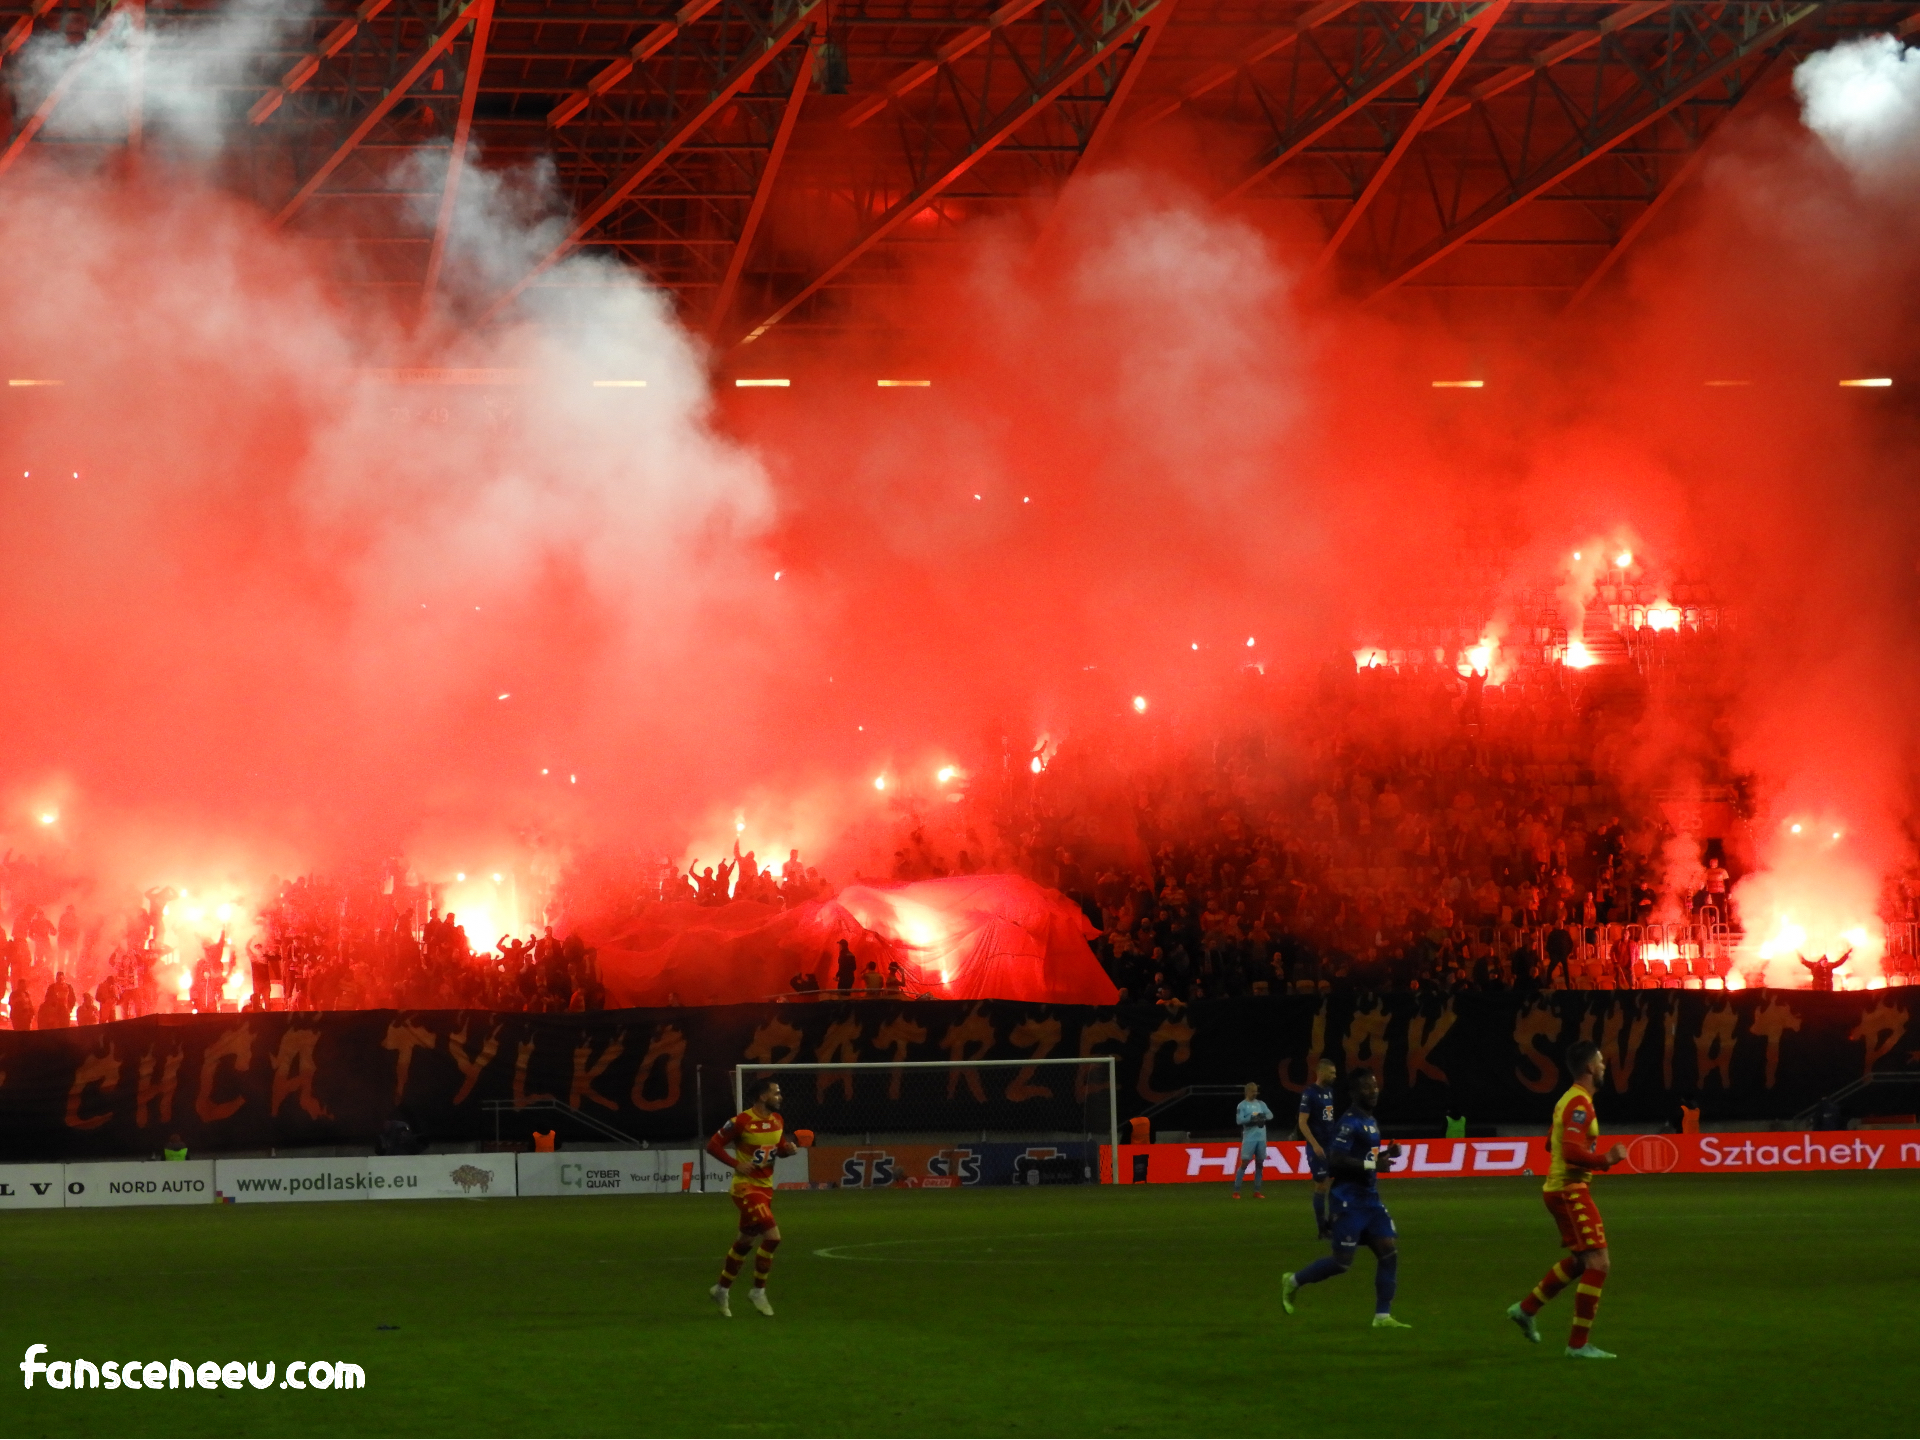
x=723 y=1138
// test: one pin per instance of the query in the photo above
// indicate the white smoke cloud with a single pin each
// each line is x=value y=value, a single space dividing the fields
x=184 y=74
x=1862 y=98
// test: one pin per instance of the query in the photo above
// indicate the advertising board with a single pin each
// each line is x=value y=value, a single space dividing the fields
x=364 y=1177
x=32 y=1187
x=1749 y=1153
x=930 y=1167
x=138 y=1182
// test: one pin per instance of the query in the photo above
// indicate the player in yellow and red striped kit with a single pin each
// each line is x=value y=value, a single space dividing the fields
x=757 y=1136
x=1573 y=1141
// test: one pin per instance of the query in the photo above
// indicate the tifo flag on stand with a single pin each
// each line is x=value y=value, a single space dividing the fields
x=965 y=937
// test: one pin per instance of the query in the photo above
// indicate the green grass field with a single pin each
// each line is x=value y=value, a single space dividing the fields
x=1765 y=1306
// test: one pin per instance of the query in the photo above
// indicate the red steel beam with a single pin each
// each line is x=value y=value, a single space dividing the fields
x=1481 y=27
x=1492 y=212
x=307 y=66
x=21 y=30
x=1105 y=126
x=1552 y=55
x=137 y=75
x=1776 y=85
x=789 y=117
x=690 y=125
x=1265 y=48
x=37 y=121
x=457 y=157
x=651 y=44
x=905 y=209
x=434 y=49
x=918 y=74
x=1358 y=102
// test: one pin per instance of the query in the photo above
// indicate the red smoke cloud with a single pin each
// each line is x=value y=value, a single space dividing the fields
x=260 y=612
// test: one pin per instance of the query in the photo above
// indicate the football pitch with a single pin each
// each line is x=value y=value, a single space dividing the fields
x=1765 y=1306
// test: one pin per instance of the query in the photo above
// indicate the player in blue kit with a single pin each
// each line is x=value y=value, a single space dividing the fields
x=1354 y=1158
x=1316 y=1128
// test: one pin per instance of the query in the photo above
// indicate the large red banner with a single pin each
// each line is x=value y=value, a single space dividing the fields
x=1737 y=1154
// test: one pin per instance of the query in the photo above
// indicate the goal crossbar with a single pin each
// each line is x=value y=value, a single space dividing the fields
x=1109 y=1063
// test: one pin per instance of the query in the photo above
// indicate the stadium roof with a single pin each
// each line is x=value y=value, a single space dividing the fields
x=767 y=161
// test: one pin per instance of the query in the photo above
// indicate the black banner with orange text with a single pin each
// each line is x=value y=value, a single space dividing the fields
x=228 y=1083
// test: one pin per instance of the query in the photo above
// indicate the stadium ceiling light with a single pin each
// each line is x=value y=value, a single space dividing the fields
x=764 y=384
x=1726 y=384
x=904 y=384
x=30 y=384
x=1879 y=383
x=619 y=384
x=1459 y=384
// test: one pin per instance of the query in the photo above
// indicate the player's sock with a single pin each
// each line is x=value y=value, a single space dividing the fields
x=1325 y=1268
x=1586 y=1304
x=1551 y=1284
x=736 y=1257
x=1319 y=1212
x=763 y=1262
x=1386 y=1279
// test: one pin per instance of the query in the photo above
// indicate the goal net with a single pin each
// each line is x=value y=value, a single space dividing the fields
x=948 y=1123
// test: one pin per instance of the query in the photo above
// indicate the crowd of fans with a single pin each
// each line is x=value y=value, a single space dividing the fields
x=377 y=939
x=1394 y=827
x=1400 y=828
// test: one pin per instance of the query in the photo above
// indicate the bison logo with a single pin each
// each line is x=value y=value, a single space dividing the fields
x=469 y=1176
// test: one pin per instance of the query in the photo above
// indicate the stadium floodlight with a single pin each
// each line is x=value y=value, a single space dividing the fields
x=1070 y=1102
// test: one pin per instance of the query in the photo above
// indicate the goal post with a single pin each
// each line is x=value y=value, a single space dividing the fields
x=943 y=1123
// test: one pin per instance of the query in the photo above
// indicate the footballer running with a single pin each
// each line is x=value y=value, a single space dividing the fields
x=757 y=1136
x=1574 y=1141
x=1353 y=1157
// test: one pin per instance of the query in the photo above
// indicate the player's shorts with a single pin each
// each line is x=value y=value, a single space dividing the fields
x=1250 y=1148
x=756 y=1210
x=1573 y=1210
x=1316 y=1167
x=1355 y=1221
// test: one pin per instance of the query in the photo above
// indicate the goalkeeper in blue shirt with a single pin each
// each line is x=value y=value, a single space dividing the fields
x=1251 y=1115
